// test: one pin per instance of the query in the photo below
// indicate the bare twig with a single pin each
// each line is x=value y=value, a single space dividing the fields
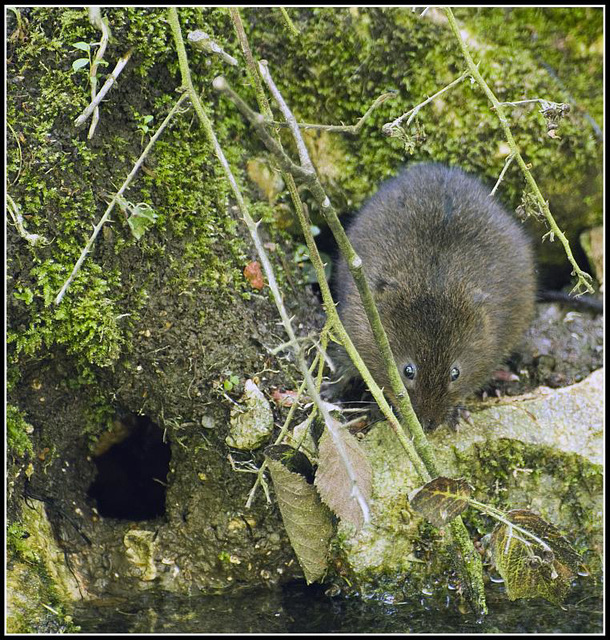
x=387 y=128
x=518 y=102
x=202 y=41
x=507 y=164
x=283 y=431
x=120 y=65
x=31 y=238
x=95 y=18
x=353 y=129
x=117 y=197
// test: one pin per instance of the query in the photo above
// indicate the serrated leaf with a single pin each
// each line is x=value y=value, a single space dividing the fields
x=141 y=218
x=441 y=500
x=306 y=519
x=83 y=46
x=333 y=482
x=80 y=63
x=529 y=568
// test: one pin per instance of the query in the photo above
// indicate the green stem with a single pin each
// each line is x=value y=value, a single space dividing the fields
x=471 y=561
x=584 y=279
x=329 y=421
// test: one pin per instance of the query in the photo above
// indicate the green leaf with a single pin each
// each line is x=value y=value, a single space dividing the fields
x=441 y=500
x=306 y=519
x=83 y=46
x=530 y=568
x=141 y=218
x=80 y=63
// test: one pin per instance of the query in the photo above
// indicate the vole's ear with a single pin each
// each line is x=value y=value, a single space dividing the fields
x=383 y=286
x=479 y=296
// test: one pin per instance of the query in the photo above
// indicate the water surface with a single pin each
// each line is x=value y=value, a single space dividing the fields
x=302 y=609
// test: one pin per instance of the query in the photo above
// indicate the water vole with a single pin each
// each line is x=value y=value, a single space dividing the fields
x=453 y=278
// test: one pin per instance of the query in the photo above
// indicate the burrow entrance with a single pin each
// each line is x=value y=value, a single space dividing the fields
x=132 y=463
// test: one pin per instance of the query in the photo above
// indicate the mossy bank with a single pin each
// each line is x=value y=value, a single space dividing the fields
x=156 y=337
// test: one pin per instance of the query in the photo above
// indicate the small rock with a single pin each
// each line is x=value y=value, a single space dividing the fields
x=251 y=423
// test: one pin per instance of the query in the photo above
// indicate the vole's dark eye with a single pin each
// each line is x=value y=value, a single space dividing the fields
x=454 y=374
x=409 y=371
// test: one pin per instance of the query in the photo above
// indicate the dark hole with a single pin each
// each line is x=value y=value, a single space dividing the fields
x=131 y=475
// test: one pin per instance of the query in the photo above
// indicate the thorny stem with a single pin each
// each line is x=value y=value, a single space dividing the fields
x=355 y=266
x=289 y=23
x=317 y=361
x=329 y=421
x=292 y=169
x=470 y=558
x=120 y=65
x=584 y=279
x=516 y=102
x=387 y=128
x=315 y=258
x=507 y=164
x=117 y=197
x=353 y=129
x=95 y=17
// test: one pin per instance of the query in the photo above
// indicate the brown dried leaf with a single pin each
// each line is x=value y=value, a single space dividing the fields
x=333 y=482
x=284 y=398
x=254 y=275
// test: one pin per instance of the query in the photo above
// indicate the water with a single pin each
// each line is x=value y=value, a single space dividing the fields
x=301 y=609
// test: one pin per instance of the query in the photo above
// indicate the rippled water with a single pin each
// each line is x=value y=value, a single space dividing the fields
x=301 y=609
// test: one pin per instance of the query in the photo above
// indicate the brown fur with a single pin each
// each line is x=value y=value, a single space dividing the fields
x=453 y=278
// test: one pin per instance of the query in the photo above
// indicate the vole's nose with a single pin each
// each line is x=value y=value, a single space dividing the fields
x=430 y=424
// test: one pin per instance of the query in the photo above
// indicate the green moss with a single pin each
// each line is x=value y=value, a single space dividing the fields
x=16 y=543
x=342 y=58
x=17 y=433
x=89 y=327
x=568 y=40
x=60 y=181
x=507 y=471
x=34 y=604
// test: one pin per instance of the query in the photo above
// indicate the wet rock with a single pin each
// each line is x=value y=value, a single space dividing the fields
x=542 y=451
x=140 y=552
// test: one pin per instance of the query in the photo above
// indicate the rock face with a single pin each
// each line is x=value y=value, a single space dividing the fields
x=542 y=451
